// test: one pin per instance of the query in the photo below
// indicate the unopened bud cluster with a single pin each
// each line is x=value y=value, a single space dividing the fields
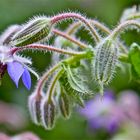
x=79 y=69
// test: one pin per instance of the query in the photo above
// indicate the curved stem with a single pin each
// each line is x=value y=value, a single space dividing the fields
x=80 y=44
x=69 y=61
x=123 y=26
x=134 y=16
x=72 y=29
x=71 y=15
x=101 y=26
x=45 y=77
x=53 y=83
x=44 y=47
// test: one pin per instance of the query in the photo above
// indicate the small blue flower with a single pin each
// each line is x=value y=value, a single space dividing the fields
x=16 y=65
x=16 y=71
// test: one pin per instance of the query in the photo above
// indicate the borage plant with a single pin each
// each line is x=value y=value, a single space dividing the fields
x=79 y=70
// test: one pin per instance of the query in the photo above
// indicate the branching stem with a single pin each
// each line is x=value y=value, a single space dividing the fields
x=123 y=26
x=72 y=15
x=80 y=44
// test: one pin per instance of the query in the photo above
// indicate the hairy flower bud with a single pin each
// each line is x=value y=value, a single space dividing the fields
x=48 y=113
x=35 y=30
x=34 y=103
x=105 y=62
x=129 y=13
x=64 y=104
x=6 y=36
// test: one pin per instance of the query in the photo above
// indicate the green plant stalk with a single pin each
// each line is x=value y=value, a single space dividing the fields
x=52 y=86
x=72 y=15
x=134 y=16
x=123 y=26
x=72 y=29
x=69 y=61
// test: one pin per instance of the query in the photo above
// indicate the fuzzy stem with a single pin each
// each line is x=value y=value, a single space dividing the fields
x=134 y=16
x=44 y=78
x=74 y=26
x=44 y=47
x=122 y=26
x=72 y=29
x=80 y=44
x=58 y=65
x=64 y=16
x=100 y=26
x=53 y=83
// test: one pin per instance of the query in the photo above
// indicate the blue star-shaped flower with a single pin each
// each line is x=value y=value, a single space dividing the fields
x=16 y=71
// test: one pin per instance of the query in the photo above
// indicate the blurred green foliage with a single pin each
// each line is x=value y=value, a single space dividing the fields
x=19 y=11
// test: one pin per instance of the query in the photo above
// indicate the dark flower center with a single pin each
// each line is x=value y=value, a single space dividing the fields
x=3 y=68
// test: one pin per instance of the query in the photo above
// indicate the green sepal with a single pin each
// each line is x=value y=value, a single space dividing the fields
x=77 y=83
x=134 y=57
x=64 y=103
x=70 y=91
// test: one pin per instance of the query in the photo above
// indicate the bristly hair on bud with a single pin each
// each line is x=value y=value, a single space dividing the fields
x=105 y=62
x=34 y=103
x=130 y=13
x=6 y=36
x=33 y=31
x=48 y=113
x=64 y=104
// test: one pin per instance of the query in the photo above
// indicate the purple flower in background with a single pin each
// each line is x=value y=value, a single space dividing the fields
x=23 y=136
x=129 y=102
x=102 y=113
x=110 y=113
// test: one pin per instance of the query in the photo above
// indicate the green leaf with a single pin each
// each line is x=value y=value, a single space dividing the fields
x=78 y=82
x=85 y=76
x=73 y=94
x=134 y=56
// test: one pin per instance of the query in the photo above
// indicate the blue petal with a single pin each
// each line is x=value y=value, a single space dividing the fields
x=26 y=78
x=15 y=71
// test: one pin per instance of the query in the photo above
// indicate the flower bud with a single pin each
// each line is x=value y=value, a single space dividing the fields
x=6 y=36
x=129 y=13
x=105 y=62
x=48 y=113
x=64 y=104
x=35 y=30
x=34 y=103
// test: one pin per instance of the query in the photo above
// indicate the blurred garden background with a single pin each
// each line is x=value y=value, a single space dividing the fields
x=124 y=94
